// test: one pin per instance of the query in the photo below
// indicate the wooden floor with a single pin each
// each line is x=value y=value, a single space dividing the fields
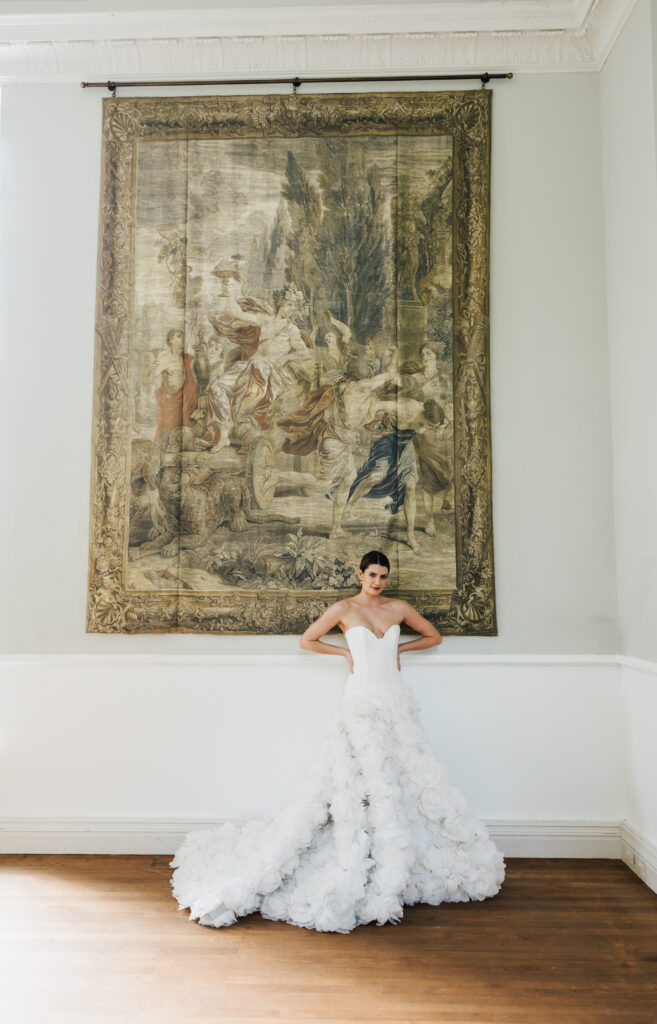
x=100 y=939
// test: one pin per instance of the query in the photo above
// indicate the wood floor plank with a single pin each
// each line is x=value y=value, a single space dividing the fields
x=100 y=940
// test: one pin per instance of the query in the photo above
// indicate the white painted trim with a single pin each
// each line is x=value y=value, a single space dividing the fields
x=515 y=837
x=8 y=661
x=494 y=16
x=616 y=840
x=297 y=658
x=639 y=853
x=638 y=664
x=324 y=41
x=518 y=838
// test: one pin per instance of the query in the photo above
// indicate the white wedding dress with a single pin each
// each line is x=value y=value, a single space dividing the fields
x=375 y=826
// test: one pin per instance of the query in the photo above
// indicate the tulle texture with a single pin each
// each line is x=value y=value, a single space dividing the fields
x=375 y=825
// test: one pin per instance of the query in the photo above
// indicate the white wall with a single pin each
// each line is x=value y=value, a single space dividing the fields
x=628 y=108
x=638 y=725
x=84 y=735
x=196 y=739
x=552 y=508
x=627 y=96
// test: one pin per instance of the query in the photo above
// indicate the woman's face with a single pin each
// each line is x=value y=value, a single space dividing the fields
x=373 y=579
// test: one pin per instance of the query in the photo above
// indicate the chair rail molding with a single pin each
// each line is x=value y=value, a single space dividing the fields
x=424 y=38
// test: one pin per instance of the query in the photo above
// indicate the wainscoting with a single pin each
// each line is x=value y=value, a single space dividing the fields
x=123 y=755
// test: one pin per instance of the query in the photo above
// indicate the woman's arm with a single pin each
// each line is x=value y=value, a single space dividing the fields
x=430 y=635
x=310 y=639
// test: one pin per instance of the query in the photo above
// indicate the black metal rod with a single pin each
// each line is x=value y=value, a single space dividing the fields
x=295 y=82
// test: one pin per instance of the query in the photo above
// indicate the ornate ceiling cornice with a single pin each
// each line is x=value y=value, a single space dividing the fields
x=512 y=35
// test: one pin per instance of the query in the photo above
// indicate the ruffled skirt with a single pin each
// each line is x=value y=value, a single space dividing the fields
x=375 y=826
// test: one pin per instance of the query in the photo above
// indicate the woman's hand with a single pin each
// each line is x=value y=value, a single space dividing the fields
x=350 y=660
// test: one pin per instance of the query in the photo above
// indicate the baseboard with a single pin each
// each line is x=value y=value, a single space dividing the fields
x=515 y=838
x=556 y=838
x=639 y=853
x=616 y=840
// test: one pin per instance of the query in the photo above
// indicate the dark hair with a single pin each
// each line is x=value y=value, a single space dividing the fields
x=374 y=558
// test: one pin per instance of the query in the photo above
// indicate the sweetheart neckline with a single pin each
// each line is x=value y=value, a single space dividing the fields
x=367 y=630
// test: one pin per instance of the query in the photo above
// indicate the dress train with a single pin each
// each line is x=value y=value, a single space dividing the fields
x=375 y=826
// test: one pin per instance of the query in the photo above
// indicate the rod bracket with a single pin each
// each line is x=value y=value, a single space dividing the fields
x=112 y=88
x=296 y=82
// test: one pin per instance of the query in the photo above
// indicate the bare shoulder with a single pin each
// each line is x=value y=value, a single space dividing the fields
x=336 y=611
x=343 y=608
x=415 y=620
x=329 y=618
x=400 y=608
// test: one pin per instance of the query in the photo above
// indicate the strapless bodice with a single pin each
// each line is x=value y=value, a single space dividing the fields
x=375 y=657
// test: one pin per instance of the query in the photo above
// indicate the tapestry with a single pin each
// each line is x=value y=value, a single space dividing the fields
x=292 y=360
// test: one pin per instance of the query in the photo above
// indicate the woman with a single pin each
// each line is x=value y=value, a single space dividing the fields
x=376 y=825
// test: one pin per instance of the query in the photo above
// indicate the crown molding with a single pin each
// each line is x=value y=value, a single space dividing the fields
x=512 y=35
x=473 y=16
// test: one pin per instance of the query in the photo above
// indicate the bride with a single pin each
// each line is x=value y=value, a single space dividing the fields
x=376 y=824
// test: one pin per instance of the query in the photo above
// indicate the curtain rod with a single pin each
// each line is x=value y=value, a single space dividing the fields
x=294 y=82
